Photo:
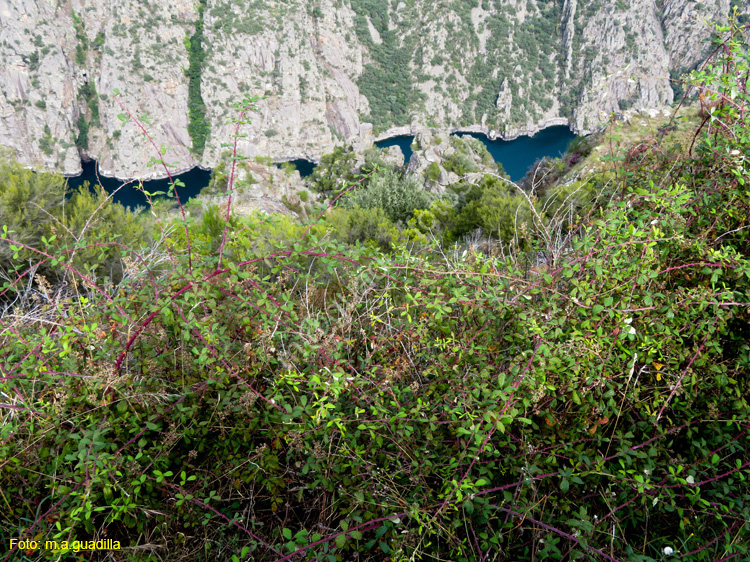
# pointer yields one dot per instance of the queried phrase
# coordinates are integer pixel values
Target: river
(195, 180)
(516, 156)
(519, 155)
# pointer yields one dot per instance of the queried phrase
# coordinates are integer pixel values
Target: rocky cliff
(327, 68)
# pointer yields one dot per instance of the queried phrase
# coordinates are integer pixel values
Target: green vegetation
(433, 172)
(82, 140)
(334, 171)
(198, 126)
(387, 82)
(83, 42)
(492, 206)
(32, 61)
(367, 227)
(399, 63)
(384, 191)
(255, 388)
(98, 42)
(460, 163)
(47, 143)
(37, 213)
(88, 93)
(231, 21)
(398, 196)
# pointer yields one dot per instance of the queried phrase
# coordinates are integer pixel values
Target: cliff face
(327, 69)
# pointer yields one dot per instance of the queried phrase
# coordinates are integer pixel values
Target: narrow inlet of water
(129, 196)
(303, 166)
(403, 142)
(519, 155)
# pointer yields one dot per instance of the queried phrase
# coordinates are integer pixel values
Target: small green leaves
(162, 476)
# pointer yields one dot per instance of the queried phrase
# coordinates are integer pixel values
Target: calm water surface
(195, 180)
(303, 166)
(516, 156)
(403, 142)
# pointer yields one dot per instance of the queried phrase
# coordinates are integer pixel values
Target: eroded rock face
(260, 186)
(504, 68)
(441, 159)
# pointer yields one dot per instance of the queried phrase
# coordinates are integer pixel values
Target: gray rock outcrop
(504, 69)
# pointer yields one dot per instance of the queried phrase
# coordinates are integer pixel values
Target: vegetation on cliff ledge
(198, 125)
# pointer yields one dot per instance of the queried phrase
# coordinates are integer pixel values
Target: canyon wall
(326, 69)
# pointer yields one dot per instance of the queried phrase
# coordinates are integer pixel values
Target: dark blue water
(517, 156)
(403, 142)
(304, 167)
(195, 180)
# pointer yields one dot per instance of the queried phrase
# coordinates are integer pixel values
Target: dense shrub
(27, 200)
(82, 139)
(369, 226)
(334, 171)
(96, 233)
(393, 192)
(40, 214)
(433, 172)
(460, 164)
(492, 205)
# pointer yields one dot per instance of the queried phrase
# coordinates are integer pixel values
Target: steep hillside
(505, 67)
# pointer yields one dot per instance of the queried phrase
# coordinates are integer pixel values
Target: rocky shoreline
(359, 143)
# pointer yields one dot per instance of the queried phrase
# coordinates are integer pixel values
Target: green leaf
(287, 533)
